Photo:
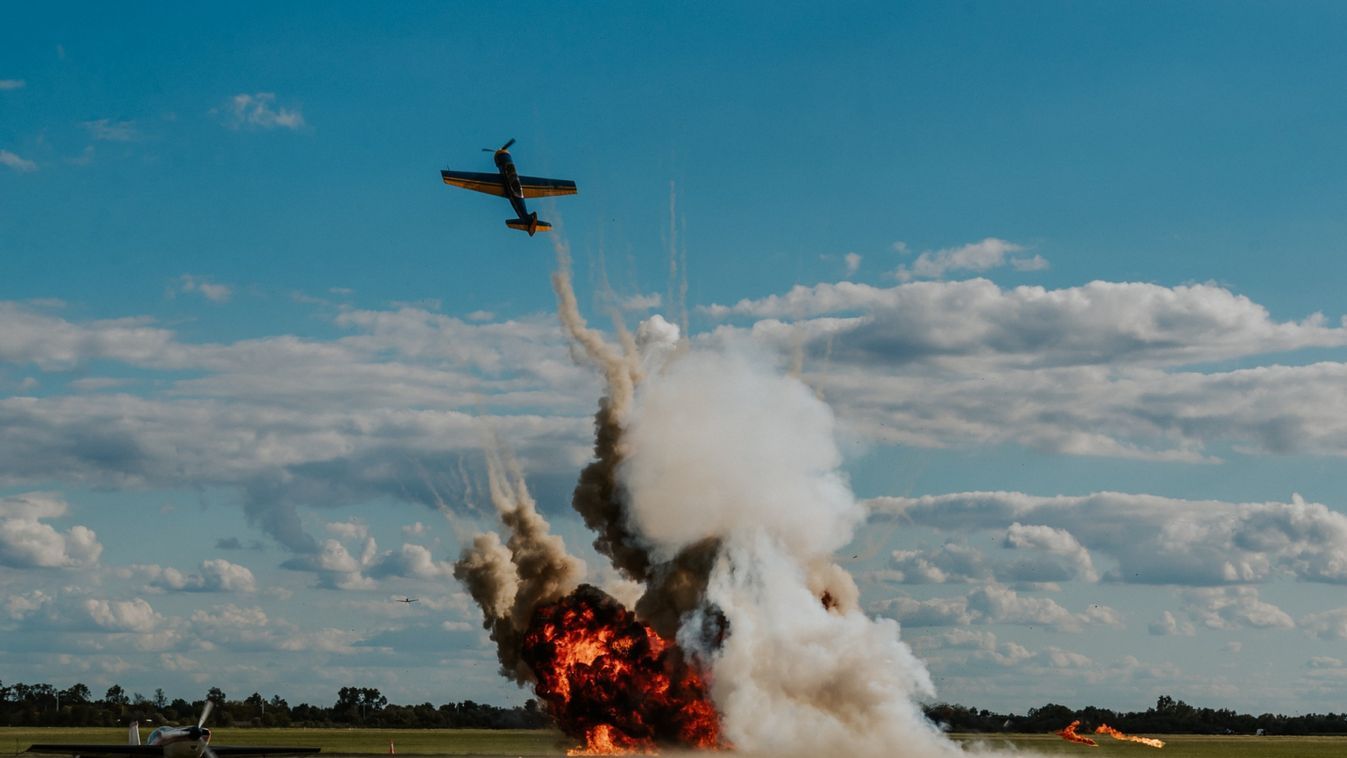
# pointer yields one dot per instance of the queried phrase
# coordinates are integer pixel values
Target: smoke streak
(673, 248)
(596, 497)
(620, 372)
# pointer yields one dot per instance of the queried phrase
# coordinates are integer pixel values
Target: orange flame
(611, 681)
(1069, 734)
(601, 740)
(1117, 735)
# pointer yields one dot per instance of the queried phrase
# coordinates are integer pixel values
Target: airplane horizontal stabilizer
(525, 225)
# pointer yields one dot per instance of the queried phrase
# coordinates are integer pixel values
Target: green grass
(1176, 746)
(522, 742)
(516, 742)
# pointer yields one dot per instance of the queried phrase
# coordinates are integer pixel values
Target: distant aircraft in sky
(169, 742)
(408, 600)
(507, 183)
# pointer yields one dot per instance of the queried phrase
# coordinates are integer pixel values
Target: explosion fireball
(607, 676)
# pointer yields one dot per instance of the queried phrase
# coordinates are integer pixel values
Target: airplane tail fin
(133, 733)
(531, 224)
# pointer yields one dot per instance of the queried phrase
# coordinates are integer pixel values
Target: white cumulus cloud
(216, 575)
(1156, 540)
(27, 541)
(123, 615)
(1234, 607)
(994, 603)
(258, 110)
(976, 256)
(14, 161)
(212, 291)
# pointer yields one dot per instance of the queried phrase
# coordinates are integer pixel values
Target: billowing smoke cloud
(723, 448)
(716, 484)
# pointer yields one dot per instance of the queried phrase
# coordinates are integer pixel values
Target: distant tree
(78, 694)
(309, 714)
(160, 700)
(178, 711)
(20, 692)
(115, 696)
(1048, 717)
(45, 694)
(216, 694)
(372, 698)
(277, 712)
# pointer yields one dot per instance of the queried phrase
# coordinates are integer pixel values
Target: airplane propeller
(506, 146)
(201, 732)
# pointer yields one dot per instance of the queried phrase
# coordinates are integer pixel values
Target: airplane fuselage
(510, 177)
(180, 742)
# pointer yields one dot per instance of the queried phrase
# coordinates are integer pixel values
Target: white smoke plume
(721, 445)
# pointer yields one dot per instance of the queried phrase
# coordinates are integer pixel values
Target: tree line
(1169, 716)
(44, 705)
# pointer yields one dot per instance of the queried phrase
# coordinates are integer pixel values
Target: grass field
(1176, 746)
(515, 742)
(521, 742)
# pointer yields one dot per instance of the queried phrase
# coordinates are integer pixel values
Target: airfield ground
(521, 742)
(1176, 746)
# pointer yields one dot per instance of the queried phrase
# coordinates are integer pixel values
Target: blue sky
(1092, 248)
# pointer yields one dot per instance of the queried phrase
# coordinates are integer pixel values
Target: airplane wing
(535, 186)
(475, 181)
(157, 751)
(105, 749)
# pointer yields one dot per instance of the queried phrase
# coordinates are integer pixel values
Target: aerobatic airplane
(169, 742)
(507, 183)
(407, 600)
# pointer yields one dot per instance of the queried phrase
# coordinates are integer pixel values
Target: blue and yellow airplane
(507, 183)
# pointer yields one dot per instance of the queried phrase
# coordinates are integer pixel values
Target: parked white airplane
(170, 742)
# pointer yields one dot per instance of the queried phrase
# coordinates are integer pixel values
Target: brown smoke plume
(488, 574)
(674, 587)
(509, 581)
